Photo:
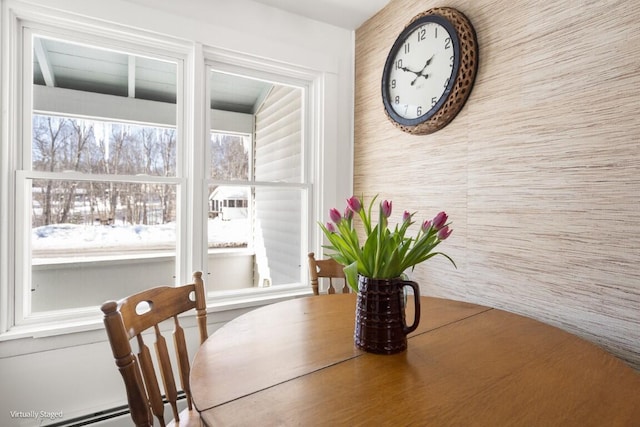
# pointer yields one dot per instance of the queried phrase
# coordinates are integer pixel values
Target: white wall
(75, 373)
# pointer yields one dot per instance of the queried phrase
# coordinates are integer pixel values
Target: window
(98, 180)
(256, 181)
(113, 190)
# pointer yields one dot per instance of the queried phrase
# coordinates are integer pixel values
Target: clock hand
(426, 76)
(421, 73)
(427, 63)
(411, 71)
(418, 73)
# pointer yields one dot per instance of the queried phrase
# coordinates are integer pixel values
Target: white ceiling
(348, 14)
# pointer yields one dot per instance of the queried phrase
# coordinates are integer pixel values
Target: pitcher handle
(416, 297)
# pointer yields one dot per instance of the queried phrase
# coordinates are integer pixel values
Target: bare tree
(95, 147)
(167, 142)
(48, 141)
(76, 143)
(229, 158)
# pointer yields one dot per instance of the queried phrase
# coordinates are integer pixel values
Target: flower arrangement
(385, 254)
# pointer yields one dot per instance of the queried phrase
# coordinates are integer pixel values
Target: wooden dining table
(294, 363)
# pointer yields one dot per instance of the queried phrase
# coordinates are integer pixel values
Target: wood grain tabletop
(294, 363)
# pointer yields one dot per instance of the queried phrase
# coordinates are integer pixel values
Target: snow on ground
(73, 236)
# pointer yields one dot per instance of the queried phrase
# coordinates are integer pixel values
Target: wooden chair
(126, 319)
(326, 268)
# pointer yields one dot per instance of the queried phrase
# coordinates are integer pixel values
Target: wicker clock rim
(464, 78)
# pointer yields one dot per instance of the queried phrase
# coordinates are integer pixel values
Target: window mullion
(192, 253)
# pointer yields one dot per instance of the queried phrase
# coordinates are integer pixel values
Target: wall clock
(430, 70)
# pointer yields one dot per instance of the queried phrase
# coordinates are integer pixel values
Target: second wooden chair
(326, 268)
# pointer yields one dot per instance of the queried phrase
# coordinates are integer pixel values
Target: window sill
(47, 335)
(252, 297)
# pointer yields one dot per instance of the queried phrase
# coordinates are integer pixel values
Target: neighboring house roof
(224, 192)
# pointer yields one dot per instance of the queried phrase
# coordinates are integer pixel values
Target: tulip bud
(348, 213)
(331, 227)
(439, 220)
(335, 215)
(386, 208)
(406, 216)
(354, 204)
(426, 225)
(444, 232)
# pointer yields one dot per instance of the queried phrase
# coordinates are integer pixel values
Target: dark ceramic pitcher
(381, 326)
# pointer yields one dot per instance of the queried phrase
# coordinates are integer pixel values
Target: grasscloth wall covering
(540, 171)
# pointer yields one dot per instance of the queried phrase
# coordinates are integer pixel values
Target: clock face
(420, 70)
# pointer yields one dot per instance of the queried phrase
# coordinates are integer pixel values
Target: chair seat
(188, 419)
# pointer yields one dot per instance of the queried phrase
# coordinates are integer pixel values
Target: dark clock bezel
(391, 59)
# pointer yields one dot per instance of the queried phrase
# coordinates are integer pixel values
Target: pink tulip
(386, 208)
(354, 204)
(439, 220)
(335, 215)
(348, 213)
(444, 232)
(389, 249)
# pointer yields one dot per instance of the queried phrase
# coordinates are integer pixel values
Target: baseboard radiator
(117, 416)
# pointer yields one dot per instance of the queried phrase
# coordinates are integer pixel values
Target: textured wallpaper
(539, 172)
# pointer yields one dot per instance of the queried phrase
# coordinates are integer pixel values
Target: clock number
(406, 48)
(433, 101)
(447, 43)
(399, 64)
(451, 63)
(393, 84)
(422, 34)
(419, 110)
(397, 99)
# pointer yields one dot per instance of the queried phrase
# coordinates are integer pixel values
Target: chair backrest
(326, 268)
(127, 319)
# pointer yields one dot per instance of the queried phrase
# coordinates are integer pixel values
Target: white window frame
(132, 45)
(192, 125)
(309, 83)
